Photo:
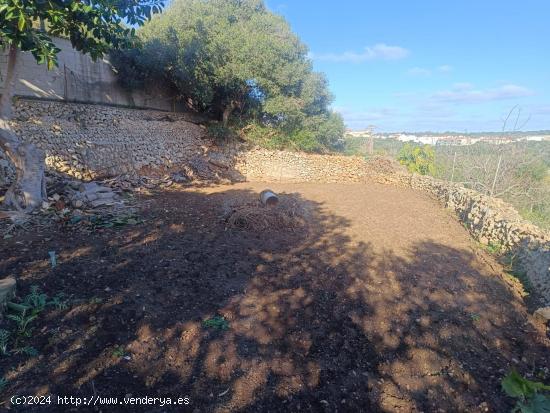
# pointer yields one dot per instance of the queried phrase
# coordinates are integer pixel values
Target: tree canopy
(235, 56)
(93, 26)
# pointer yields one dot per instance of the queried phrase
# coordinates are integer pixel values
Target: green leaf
(540, 403)
(516, 386)
(21, 22)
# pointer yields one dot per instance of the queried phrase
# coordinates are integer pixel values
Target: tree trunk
(226, 114)
(29, 188)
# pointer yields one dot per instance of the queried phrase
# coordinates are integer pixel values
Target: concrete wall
(78, 79)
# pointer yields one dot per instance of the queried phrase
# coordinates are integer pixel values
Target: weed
(530, 396)
(115, 221)
(3, 384)
(59, 302)
(493, 248)
(4, 337)
(36, 300)
(475, 317)
(217, 322)
(23, 314)
(28, 350)
(513, 268)
(23, 321)
(119, 351)
(96, 300)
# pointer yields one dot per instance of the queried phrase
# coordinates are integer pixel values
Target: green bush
(221, 134)
(419, 159)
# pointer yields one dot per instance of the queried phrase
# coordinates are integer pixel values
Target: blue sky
(430, 65)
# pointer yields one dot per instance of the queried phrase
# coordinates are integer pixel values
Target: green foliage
(475, 317)
(523, 176)
(93, 27)
(539, 214)
(217, 322)
(3, 384)
(4, 339)
(36, 300)
(493, 248)
(220, 133)
(22, 314)
(531, 396)
(235, 56)
(22, 321)
(119, 352)
(59, 302)
(357, 145)
(419, 159)
(27, 350)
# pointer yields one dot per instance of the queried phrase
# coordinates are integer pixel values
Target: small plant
(532, 397)
(475, 317)
(119, 351)
(4, 337)
(28, 350)
(217, 322)
(96, 300)
(221, 134)
(36, 300)
(494, 248)
(3, 384)
(23, 321)
(59, 302)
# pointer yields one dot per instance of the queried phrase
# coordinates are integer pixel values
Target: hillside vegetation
(518, 173)
(242, 65)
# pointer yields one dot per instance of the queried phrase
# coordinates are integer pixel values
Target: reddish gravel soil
(385, 304)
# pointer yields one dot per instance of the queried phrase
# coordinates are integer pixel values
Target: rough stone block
(7, 291)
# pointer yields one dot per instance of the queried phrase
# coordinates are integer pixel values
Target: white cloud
(465, 93)
(419, 71)
(379, 51)
(424, 72)
(463, 86)
(444, 68)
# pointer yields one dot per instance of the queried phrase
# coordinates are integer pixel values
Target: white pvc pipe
(269, 198)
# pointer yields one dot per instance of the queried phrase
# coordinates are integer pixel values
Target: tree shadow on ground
(317, 321)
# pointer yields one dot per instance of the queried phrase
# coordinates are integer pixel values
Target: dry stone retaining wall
(489, 220)
(268, 166)
(88, 141)
(91, 141)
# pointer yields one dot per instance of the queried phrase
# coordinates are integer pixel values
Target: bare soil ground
(385, 304)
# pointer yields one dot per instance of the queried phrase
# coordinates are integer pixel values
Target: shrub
(419, 159)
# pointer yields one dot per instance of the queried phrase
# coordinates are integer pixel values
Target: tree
(93, 27)
(231, 57)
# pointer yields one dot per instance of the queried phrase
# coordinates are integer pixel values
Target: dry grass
(290, 214)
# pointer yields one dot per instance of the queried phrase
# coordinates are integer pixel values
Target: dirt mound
(290, 214)
(386, 171)
(384, 165)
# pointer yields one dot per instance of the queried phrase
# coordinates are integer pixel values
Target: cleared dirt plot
(379, 301)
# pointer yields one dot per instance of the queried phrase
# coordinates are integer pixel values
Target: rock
(102, 202)
(7, 290)
(543, 314)
(93, 187)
